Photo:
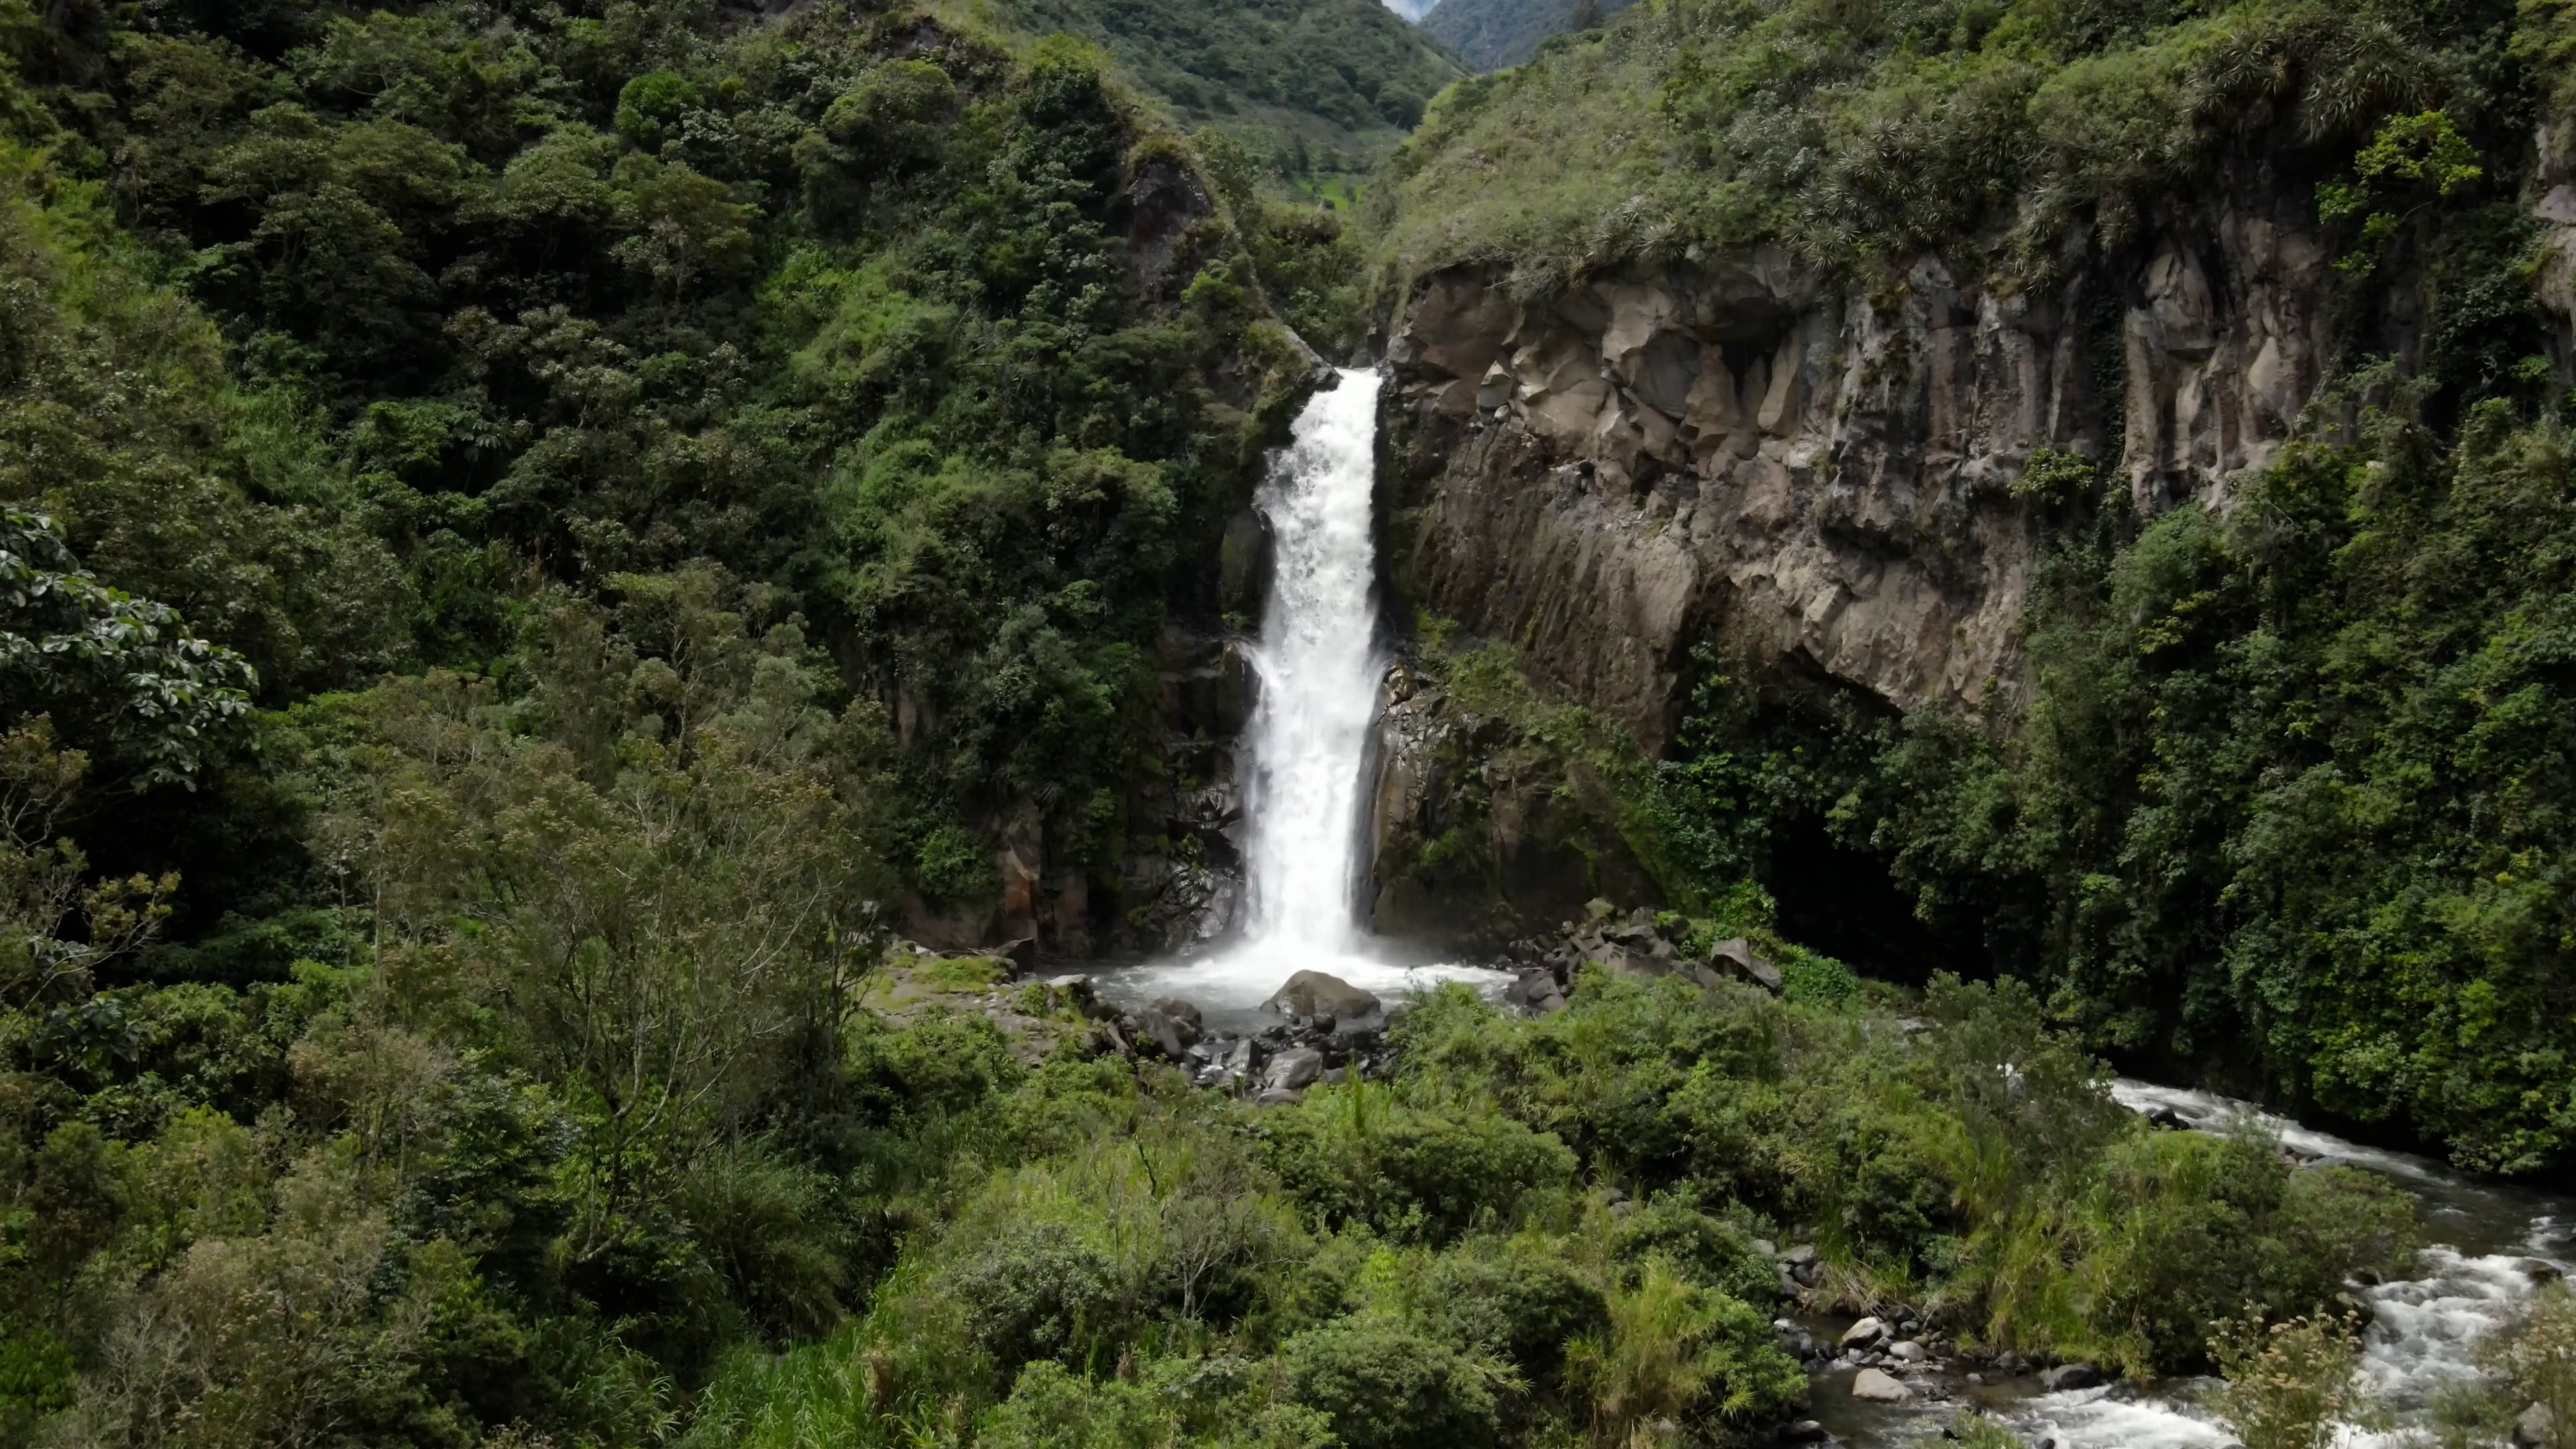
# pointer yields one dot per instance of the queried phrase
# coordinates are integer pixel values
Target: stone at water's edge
(1319, 993)
(1174, 1034)
(1878, 1387)
(2071, 1376)
(1295, 1069)
(1864, 1333)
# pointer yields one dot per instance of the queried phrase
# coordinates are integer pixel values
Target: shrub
(1709, 1253)
(1052, 1409)
(952, 865)
(650, 106)
(1383, 1385)
(2287, 1385)
(2535, 1356)
(1037, 1290)
(1361, 1154)
(1521, 1300)
(2180, 1228)
(1674, 1351)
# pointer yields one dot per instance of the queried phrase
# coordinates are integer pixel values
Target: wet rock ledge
(1328, 1030)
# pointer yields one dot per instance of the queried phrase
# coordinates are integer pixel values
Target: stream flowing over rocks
(2489, 1246)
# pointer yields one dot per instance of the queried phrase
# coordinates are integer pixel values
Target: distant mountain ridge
(1493, 34)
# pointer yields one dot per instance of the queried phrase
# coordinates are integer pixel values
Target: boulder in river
(1317, 993)
(2071, 1376)
(1877, 1386)
(1863, 1334)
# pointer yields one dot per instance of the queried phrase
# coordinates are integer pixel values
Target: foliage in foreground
(595, 1137)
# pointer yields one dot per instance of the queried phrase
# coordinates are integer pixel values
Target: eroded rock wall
(1822, 481)
(1824, 478)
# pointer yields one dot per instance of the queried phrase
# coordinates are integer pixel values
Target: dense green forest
(2285, 799)
(1308, 85)
(530, 525)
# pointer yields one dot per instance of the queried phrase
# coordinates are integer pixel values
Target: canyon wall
(1827, 483)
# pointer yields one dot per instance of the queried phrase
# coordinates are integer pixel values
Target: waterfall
(1319, 671)
(1305, 752)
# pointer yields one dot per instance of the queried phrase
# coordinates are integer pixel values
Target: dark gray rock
(1734, 957)
(1077, 992)
(1174, 1037)
(1295, 1069)
(1318, 993)
(2071, 1376)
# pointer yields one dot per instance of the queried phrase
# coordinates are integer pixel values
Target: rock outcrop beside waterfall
(1825, 477)
(1827, 482)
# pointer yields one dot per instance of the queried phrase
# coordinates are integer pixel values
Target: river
(2467, 1280)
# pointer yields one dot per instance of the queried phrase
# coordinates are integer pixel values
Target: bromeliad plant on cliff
(2280, 798)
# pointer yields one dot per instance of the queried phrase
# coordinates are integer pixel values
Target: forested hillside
(1493, 34)
(2272, 787)
(540, 538)
(1307, 85)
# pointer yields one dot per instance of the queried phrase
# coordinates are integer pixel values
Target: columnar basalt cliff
(1826, 477)
(1826, 482)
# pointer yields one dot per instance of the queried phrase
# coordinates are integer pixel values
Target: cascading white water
(1319, 672)
(1307, 745)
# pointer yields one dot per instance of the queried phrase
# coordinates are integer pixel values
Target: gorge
(1086, 724)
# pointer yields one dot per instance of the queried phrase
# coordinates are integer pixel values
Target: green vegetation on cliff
(2282, 798)
(1845, 130)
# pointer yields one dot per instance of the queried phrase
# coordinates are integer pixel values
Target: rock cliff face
(1820, 480)
(1479, 834)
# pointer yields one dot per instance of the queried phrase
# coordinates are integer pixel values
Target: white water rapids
(1307, 746)
(2423, 1333)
